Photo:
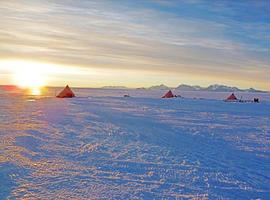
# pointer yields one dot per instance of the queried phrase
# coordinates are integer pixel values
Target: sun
(28, 75)
(33, 75)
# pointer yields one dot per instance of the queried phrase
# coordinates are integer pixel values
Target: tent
(169, 95)
(232, 97)
(66, 93)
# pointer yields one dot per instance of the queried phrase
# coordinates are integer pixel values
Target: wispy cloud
(123, 35)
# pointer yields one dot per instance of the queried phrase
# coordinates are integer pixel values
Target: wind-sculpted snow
(133, 148)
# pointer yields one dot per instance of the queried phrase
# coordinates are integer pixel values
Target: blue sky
(145, 42)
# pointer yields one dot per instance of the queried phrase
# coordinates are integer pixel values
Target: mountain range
(115, 87)
(212, 88)
(184, 87)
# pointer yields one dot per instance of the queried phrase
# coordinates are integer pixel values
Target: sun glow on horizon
(34, 76)
(28, 75)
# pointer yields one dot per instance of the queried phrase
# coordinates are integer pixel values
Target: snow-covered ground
(101, 145)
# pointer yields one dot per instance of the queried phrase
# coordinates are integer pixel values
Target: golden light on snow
(36, 91)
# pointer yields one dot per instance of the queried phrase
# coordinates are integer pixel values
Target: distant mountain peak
(185, 87)
(215, 88)
(222, 88)
(159, 87)
(114, 87)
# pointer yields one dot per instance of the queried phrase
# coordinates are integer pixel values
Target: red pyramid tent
(232, 97)
(66, 93)
(169, 95)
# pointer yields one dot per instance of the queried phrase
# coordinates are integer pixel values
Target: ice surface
(101, 145)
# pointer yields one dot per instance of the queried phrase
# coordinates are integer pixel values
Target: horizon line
(127, 87)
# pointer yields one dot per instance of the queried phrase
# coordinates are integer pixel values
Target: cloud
(107, 35)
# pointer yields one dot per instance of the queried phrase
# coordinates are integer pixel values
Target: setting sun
(34, 75)
(28, 75)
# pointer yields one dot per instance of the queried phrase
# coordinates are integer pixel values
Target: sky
(136, 43)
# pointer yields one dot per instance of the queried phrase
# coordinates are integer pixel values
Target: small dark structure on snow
(256, 100)
(169, 94)
(232, 98)
(66, 93)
